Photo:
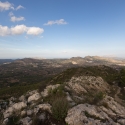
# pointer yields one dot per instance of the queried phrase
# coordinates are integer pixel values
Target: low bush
(13, 120)
(98, 97)
(59, 108)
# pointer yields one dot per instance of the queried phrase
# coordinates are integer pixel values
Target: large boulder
(14, 108)
(26, 121)
(86, 114)
(23, 113)
(114, 106)
(19, 105)
(29, 112)
(22, 98)
(34, 97)
(8, 112)
(84, 84)
(46, 107)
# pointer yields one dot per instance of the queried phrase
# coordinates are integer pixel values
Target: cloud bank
(20, 29)
(58, 22)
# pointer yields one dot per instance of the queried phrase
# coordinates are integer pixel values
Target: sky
(62, 28)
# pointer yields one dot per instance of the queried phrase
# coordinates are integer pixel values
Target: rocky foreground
(91, 100)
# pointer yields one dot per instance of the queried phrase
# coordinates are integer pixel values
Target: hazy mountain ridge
(95, 60)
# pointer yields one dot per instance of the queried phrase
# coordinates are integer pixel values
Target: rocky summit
(81, 99)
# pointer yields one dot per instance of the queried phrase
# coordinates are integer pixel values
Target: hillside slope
(29, 71)
(77, 96)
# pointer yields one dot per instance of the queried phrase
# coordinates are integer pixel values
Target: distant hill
(96, 60)
(29, 71)
(6, 61)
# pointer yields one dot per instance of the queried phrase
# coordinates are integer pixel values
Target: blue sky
(62, 28)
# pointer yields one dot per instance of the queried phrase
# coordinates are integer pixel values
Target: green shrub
(87, 114)
(98, 97)
(53, 94)
(16, 91)
(1, 115)
(13, 120)
(59, 108)
(58, 90)
(122, 78)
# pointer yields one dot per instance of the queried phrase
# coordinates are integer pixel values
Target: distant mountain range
(88, 60)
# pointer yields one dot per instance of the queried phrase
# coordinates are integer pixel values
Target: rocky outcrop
(84, 84)
(114, 106)
(26, 121)
(34, 105)
(22, 98)
(86, 114)
(46, 107)
(19, 105)
(29, 112)
(34, 97)
(14, 108)
(23, 113)
(26, 113)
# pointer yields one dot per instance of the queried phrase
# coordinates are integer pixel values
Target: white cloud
(34, 31)
(6, 6)
(16, 19)
(19, 7)
(4, 30)
(20, 29)
(58, 22)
